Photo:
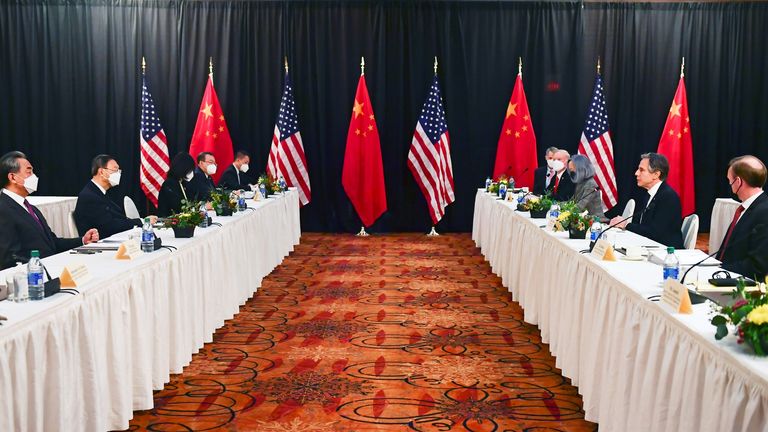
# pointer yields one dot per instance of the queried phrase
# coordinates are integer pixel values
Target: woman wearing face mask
(586, 193)
(174, 189)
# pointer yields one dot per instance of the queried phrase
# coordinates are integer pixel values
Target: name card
(128, 250)
(603, 250)
(74, 276)
(676, 298)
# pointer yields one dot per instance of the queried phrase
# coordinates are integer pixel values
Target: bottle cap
(34, 254)
(670, 250)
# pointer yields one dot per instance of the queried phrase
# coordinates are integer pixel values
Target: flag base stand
(362, 232)
(433, 233)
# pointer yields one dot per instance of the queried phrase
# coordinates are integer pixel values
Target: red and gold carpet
(385, 333)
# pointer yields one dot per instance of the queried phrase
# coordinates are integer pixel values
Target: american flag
(597, 146)
(286, 155)
(154, 147)
(429, 158)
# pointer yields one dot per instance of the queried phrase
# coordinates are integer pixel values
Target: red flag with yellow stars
(516, 152)
(363, 172)
(211, 132)
(676, 144)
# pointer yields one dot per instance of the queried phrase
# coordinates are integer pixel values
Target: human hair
(750, 169)
(241, 154)
(551, 149)
(99, 162)
(181, 165)
(9, 163)
(584, 169)
(657, 162)
(202, 155)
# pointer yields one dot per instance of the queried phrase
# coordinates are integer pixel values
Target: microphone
(682, 279)
(592, 244)
(734, 242)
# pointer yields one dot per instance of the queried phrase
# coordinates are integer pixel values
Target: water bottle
(35, 277)
(511, 182)
(671, 265)
(488, 182)
(594, 231)
(281, 183)
(502, 191)
(204, 214)
(263, 190)
(147, 237)
(552, 215)
(241, 204)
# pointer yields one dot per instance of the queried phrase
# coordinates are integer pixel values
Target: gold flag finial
(520, 66)
(435, 65)
(682, 68)
(143, 65)
(286, 63)
(598, 65)
(362, 65)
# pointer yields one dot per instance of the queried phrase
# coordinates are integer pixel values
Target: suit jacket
(200, 186)
(95, 210)
(564, 190)
(747, 249)
(170, 196)
(588, 197)
(229, 179)
(540, 180)
(662, 220)
(20, 234)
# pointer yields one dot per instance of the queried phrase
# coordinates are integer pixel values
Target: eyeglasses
(118, 170)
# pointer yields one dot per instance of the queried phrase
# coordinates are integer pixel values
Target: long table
(86, 362)
(637, 366)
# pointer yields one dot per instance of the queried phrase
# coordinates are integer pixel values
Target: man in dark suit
(561, 187)
(658, 214)
(543, 175)
(23, 227)
(745, 246)
(95, 209)
(202, 184)
(234, 177)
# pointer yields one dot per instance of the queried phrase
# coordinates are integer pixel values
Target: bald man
(745, 245)
(561, 187)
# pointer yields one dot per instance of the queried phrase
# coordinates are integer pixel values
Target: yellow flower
(564, 215)
(758, 315)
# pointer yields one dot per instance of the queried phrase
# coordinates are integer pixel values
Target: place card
(603, 250)
(74, 276)
(676, 298)
(128, 250)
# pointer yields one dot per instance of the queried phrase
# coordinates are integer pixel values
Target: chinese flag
(363, 173)
(516, 152)
(677, 146)
(211, 132)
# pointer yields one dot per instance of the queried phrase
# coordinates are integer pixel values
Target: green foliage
(189, 216)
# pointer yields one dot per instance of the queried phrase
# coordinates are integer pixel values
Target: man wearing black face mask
(745, 246)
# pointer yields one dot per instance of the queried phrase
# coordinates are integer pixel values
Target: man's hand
(92, 236)
(152, 219)
(622, 225)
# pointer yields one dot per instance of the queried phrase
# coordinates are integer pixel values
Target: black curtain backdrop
(70, 81)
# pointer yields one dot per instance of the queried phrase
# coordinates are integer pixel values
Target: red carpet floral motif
(386, 333)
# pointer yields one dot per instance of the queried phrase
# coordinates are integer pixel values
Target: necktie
(736, 215)
(32, 213)
(237, 171)
(557, 183)
(647, 203)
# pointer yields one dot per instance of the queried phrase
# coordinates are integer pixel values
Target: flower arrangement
(189, 216)
(572, 218)
(494, 188)
(533, 203)
(223, 203)
(270, 183)
(749, 314)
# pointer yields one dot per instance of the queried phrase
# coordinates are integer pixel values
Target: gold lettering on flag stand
(74, 276)
(675, 296)
(603, 251)
(128, 250)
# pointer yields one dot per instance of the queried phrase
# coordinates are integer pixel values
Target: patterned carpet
(385, 333)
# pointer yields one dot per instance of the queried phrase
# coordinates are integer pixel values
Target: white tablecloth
(86, 362)
(638, 367)
(56, 211)
(722, 215)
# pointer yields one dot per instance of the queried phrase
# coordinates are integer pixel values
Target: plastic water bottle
(511, 182)
(263, 190)
(204, 214)
(241, 204)
(488, 184)
(594, 231)
(502, 191)
(147, 237)
(552, 215)
(281, 183)
(35, 277)
(671, 265)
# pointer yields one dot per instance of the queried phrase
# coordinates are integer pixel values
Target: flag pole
(598, 65)
(520, 66)
(362, 232)
(433, 232)
(210, 68)
(682, 68)
(143, 66)
(286, 64)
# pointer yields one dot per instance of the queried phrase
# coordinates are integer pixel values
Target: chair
(629, 209)
(690, 231)
(131, 212)
(71, 226)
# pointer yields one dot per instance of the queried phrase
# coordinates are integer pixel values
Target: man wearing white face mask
(95, 209)
(23, 227)
(543, 175)
(561, 187)
(202, 184)
(234, 177)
